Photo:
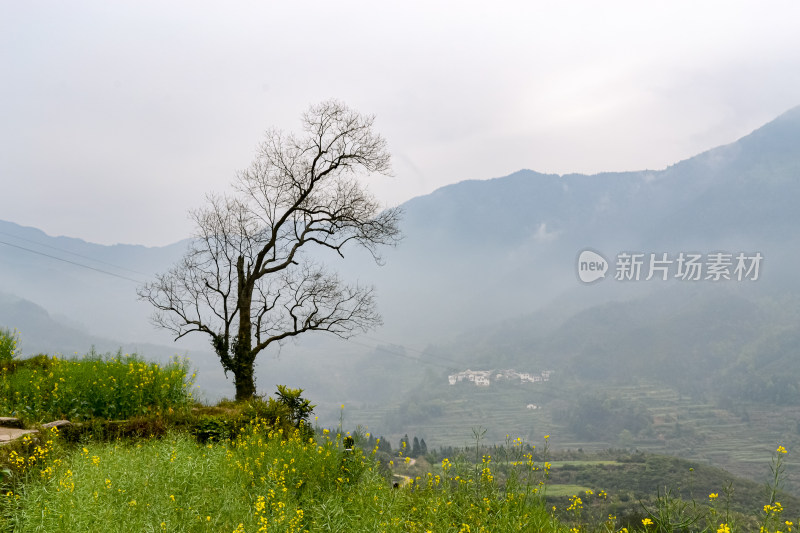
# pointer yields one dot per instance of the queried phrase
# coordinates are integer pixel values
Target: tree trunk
(244, 382)
(243, 354)
(243, 374)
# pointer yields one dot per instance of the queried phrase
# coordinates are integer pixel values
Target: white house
(482, 381)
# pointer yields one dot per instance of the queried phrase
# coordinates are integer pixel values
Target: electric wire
(37, 243)
(73, 262)
(421, 352)
(378, 349)
(398, 354)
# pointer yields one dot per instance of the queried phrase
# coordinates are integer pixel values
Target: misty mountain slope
(744, 178)
(488, 250)
(712, 373)
(748, 188)
(713, 344)
(476, 253)
(692, 340)
(684, 342)
(39, 332)
(626, 336)
(93, 285)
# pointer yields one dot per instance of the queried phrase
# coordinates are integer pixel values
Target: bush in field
(113, 387)
(289, 412)
(8, 345)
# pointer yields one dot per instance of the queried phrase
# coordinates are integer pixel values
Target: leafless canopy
(245, 280)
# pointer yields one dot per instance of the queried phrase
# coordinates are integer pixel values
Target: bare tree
(245, 281)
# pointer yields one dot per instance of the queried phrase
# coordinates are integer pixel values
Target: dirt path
(403, 479)
(9, 434)
(11, 428)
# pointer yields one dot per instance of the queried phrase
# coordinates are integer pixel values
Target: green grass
(260, 481)
(265, 479)
(111, 387)
(560, 464)
(565, 490)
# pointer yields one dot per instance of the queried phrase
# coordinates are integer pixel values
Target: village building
(481, 378)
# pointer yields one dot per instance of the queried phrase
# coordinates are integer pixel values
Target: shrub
(8, 344)
(289, 413)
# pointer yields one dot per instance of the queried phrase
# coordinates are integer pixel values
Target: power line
(398, 354)
(71, 253)
(421, 352)
(391, 352)
(138, 282)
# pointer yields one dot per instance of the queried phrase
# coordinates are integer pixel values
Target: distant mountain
(42, 333)
(501, 247)
(91, 284)
(475, 254)
(717, 342)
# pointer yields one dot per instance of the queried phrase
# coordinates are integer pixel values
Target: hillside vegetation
(263, 466)
(711, 376)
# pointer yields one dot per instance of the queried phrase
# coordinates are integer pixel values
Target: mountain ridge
(484, 251)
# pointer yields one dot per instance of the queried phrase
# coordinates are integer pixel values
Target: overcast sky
(116, 118)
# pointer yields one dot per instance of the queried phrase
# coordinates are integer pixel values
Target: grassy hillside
(259, 466)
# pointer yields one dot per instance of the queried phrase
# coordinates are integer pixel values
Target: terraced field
(740, 439)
